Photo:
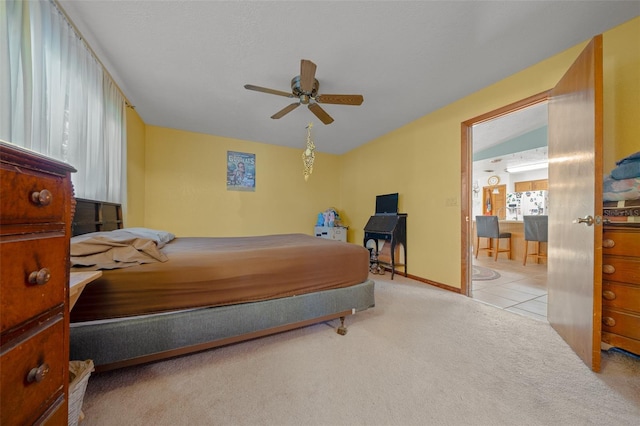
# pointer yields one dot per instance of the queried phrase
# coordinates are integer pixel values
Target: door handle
(587, 219)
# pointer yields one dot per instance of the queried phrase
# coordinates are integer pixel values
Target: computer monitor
(387, 204)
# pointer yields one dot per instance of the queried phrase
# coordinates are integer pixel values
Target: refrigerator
(534, 203)
(514, 211)
(529, 203)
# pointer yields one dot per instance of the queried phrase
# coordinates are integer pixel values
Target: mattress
(208, 272)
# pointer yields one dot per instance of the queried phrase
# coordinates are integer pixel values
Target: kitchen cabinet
(532, 185)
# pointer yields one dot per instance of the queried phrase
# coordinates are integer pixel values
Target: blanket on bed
(218, 271)
(121, 248)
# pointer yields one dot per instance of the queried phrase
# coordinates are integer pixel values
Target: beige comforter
(121, 248)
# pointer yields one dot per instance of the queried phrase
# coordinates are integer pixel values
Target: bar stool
(536, 229)
(488, 227)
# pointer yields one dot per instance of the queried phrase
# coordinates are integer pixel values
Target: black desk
(391, 228)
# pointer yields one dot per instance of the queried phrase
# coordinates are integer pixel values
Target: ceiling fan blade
(270, 91)
(307, 75)
(320, 113)
(285, 110)
(340, 99)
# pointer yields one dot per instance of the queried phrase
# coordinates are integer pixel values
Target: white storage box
(331, 232)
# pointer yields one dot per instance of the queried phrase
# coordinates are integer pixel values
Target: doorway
(471, 192)
(510, 156)
(575, 134)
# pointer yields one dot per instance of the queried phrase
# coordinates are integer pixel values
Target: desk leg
(404, 246)
(393, 260)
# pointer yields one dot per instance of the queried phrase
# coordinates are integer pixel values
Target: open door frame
(467, 175)
(575, 152)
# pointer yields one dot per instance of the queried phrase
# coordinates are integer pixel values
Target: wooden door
(575, 184)
(494, 201)
(499, 199)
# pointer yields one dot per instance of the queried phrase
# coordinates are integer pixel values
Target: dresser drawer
(631, 345)
(621, 242)
(23, 397)
(621, 323)
(56, 415)
(621, 269)
(620, 295)
(22, 259)
(30, 197)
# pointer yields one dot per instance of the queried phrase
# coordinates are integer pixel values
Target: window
(58, 100)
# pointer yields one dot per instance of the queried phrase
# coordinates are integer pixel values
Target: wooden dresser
(621, 287)
(36, 206)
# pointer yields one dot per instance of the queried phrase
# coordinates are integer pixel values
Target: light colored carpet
(480, 273)
(422, 356)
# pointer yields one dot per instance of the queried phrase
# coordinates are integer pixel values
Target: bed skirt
(121, 343)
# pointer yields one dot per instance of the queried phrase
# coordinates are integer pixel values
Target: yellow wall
(184, 186)
(621, 59)
(422, 160)
(135, 205)
(186, 192)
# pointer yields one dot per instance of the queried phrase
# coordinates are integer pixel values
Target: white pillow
(160, 237)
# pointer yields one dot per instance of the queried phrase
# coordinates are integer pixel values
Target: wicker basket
(79, 372)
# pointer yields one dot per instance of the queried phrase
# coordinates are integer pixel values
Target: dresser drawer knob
(608, 269)
(37, 374)
(40, 277)
(42, 198)
(608, 321)
(609, 295)
(608, 243)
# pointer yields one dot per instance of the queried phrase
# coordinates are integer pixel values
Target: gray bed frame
(137, 340)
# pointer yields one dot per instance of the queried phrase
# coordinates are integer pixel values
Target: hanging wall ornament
(308, 155)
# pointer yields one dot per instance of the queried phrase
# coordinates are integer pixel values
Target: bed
(182, 295)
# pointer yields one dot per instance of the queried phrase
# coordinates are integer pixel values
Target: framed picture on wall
(241, 171)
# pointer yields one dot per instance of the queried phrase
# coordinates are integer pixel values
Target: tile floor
(520, 289)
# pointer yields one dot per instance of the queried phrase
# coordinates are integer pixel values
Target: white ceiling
(183, 63)
(503, 129)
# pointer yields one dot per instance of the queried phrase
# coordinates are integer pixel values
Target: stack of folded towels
(621, 191)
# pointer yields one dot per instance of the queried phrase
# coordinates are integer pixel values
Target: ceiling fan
(305, 87)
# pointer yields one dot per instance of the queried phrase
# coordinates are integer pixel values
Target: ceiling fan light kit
(305, 87)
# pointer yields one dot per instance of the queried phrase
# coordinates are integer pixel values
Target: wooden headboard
(94, 216)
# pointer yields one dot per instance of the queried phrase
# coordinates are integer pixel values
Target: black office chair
(536, 229)
(488, 227)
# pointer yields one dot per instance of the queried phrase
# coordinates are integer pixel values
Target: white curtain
(56, 98)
